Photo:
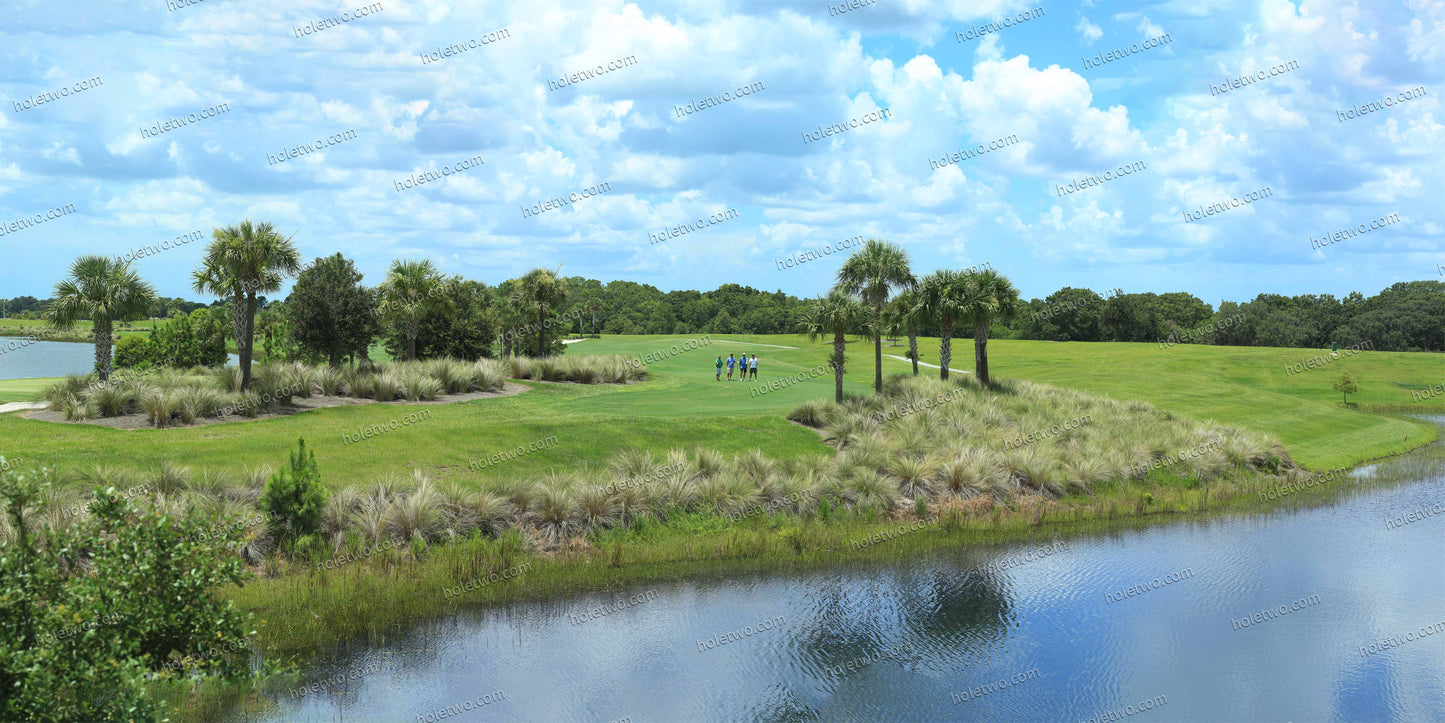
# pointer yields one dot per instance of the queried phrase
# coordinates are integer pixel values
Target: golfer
(731, 362)
(754, 363)
(719, 367)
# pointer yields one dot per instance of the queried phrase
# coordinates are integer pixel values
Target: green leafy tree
(241, 262)
(988, 297)
(942, 296)
(723, 323)
(294, 498)
(1346, 385)
(464, 327)
(412, 289)
(539, 294)
(332, 315)
(837, 315)
(1068, 314)
(872, 274)
(183, 342)
(104, 291)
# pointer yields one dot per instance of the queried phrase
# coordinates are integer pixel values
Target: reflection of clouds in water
(966, 621)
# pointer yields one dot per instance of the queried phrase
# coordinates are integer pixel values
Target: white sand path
(751, 343)
(22, 406)
(926, 364)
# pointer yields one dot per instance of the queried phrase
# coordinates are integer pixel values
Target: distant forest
(1408, 316)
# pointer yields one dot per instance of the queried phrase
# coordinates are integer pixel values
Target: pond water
(24, 358)
(1085, 633)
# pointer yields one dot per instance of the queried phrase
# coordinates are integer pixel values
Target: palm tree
(941, 295)
(905, 315)
(837, 314)
(103, 290)
(241, 262)
(989, 297)
(873, 273)
(540, 292)
(412, 289)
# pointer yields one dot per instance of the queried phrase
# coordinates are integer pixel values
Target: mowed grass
(1244, 386)
(82, 328)
(684, 384)
(681, 405)
(23, 390)
(673, 408)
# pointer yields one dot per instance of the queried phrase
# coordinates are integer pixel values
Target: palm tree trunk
(102, 348)
(913, 348)
(839, 346)
(945, 346)
(411, 347)
(541, 332)
(980, 352)
(249, 343)
(238, 322)
(878, 349)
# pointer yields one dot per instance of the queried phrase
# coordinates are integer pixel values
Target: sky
(286, 78)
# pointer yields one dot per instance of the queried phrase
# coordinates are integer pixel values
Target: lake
(23, 358)
(1176, 622)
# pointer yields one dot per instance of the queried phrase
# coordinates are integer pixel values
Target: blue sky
(1029, 80)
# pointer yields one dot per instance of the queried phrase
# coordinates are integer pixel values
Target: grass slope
(1245, 386)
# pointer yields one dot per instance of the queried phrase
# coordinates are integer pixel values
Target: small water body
(24, 358)
(1085, 634)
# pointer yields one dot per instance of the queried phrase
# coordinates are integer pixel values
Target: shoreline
(687, 550)
(303, 616)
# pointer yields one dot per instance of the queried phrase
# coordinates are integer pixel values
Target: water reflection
(950, 623)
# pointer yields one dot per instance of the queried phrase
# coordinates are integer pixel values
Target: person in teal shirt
(719, 367)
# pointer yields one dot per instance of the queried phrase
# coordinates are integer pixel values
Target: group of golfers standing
(743, 366)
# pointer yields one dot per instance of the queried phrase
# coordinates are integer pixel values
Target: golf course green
(682, 405)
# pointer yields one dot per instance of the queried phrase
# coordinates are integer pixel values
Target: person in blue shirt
(731, 363)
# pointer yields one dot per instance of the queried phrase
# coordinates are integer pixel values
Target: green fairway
(1244, 386)
(684, 385)
(682, 405)
(22, 390)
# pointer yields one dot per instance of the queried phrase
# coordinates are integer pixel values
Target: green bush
(78, 644)
(134, 351)
(294, 498)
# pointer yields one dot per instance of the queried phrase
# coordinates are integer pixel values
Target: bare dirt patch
(139, 420)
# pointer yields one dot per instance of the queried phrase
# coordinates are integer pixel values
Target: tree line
(417, 312)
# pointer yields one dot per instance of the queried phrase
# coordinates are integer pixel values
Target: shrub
(134, 351)
(294, 499)
(75, 645)
(488, 375)
(386, 386)
(70, 388)
(815, 413)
